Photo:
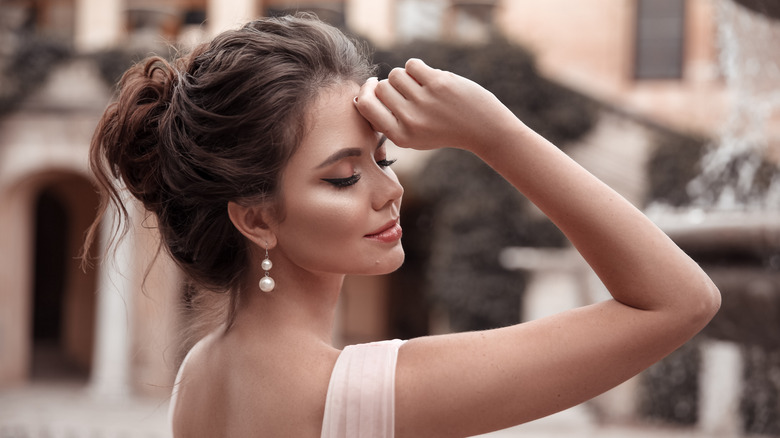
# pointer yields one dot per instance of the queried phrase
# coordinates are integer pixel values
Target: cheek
(338, 214)
(321, 225)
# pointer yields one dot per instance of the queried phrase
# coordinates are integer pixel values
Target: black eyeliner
(343, 182)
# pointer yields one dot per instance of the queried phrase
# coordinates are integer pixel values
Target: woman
(262, 156)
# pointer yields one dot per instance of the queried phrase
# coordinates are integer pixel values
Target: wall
(591, 48)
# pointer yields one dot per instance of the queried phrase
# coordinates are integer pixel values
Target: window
(660, 38)
(472, 21)
(420, 19)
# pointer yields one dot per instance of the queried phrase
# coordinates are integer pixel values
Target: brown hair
(218, 125)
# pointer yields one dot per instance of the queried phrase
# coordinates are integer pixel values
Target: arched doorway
(63, 296)
(50, 270)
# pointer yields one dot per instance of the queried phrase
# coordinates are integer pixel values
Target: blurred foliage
(113, 63)
(671, 388)
(674, 163)
(25, 63)
(760, 407)
(677, 160)
(27, 57)
(471, 214)
(747, 177)
(467, 213)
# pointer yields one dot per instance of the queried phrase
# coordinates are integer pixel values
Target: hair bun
(130, 128)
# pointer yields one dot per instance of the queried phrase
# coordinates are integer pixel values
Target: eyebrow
(340, 155)
(348, 152)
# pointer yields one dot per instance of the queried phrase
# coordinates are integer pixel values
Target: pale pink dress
(361, 393)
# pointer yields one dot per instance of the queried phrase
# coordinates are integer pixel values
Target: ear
(253, 222)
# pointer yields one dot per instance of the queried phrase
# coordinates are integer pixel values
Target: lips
(390, 232)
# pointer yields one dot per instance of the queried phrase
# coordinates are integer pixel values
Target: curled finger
(405, 84)
(419, 70)
(373, 109)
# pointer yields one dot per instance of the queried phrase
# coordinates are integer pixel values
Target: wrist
(504, 132)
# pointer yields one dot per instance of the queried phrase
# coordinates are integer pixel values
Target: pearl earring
(267, 283)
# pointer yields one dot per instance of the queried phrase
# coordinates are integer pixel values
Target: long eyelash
(386, 162)
(343, 182)
(346, 182)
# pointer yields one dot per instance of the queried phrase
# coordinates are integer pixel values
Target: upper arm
(469, 383)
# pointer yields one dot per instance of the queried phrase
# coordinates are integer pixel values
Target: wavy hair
(218, 125)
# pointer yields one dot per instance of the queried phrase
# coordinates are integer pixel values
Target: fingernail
(373, 78)
(354, 99)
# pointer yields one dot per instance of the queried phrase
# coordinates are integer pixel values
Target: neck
(302, 305)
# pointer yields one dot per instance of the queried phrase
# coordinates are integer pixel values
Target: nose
(388, 190)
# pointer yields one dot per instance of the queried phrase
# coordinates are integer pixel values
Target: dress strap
(361, 393)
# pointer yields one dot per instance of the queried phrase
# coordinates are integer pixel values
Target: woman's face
(341, 200)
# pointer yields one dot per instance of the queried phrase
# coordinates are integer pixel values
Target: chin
(389, 264)
(396, 267)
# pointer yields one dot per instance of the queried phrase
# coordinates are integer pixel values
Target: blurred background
(674, 103)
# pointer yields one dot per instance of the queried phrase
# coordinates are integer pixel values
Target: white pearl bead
(266, 265)
(267, 284)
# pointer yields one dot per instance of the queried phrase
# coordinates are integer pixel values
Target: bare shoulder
(232, 386)
(196, 392)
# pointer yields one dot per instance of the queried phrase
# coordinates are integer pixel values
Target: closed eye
(385, 163)
(343, 182)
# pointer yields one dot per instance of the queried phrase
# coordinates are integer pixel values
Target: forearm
(637, 262)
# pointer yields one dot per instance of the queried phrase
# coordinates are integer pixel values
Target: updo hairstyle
(218, 125)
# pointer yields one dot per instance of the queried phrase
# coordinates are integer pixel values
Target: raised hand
(421, 107)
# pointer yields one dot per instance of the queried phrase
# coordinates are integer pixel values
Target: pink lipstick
(390, 232)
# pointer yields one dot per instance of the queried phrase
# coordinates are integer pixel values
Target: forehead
(333, 122)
